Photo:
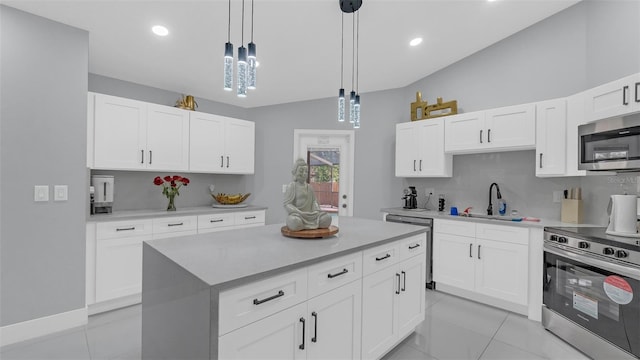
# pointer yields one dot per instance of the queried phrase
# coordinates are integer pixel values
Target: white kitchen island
(253, 293)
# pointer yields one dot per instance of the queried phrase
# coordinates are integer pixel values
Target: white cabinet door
(334, 325)
(412, 294)
(502, 270)
(406, 150)
(432, 160)
(119, 267)
(279, 336)
(380, 292)
(167, 138)
(512, 127)
(206, 143)
(239, 146)
(453, 260)
(120, 130)
(616, 98)
(551, 138)
(464, 132)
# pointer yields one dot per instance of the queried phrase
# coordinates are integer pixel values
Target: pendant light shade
(356, 113)
(341, 104)
(242, 71)
(252, 63)
(228, 66)
(352, 108)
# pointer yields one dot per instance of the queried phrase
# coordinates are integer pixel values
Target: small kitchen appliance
(103, 194)
(591, 290)
(410, 198)
(623, 216)
(610, 144)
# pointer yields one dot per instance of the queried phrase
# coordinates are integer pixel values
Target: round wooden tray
(310, 234)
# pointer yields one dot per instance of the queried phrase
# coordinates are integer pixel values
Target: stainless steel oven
(591, 291)
(428, 223)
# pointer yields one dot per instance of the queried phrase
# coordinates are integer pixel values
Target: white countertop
(142, 214)
(422, 213)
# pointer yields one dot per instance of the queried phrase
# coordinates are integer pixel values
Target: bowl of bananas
(230, 199)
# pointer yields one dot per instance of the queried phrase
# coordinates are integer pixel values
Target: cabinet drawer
(174, 224)
(249, 217)
(123, 229)
(251, 302)
(413, 246)
(380, 257)
(454, 227)
(512, 234)
(214, 221)
(334, 273)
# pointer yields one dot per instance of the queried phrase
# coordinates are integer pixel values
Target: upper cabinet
(420, 149)
(551, 130)
(125, 134)
(502, 129)
(221, 145)
(620, 97)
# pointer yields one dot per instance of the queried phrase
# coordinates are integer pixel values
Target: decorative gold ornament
(422, 110)
(186, 102)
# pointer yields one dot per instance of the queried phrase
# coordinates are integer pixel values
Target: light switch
(60, 192)
(41, 193)
(284, 188)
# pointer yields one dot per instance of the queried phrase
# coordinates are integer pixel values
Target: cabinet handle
(470, 246)
(315, 327)
(126, 229)
(227, 162)
(398, 291)
(540, 160)
(489, 135)
(384, 257)
(624, 95)
(142, 161)
(480, 136)
(249, 217)
(331, 276)
(479, 251)
(176, 224)
(150, 157)
(221, 161)
(404, 281)
(411, 247)
(301, 346)
(104, 190)
(258, 302)
(216, 220)
(414, 165)
(637, 91)
(420, 165)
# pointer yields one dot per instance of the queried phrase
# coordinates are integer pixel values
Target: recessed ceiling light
(415, 42)
(160, 30)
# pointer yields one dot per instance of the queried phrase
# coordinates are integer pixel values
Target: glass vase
(171, 206)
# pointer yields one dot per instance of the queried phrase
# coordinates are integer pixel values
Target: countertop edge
(150, 214)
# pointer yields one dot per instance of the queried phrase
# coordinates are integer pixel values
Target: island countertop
(234, 257)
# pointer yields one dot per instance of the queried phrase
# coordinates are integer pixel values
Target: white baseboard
(30, 329)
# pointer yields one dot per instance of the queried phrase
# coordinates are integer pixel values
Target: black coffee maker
(410, 198)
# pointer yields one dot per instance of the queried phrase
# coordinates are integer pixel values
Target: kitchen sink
(494, 217)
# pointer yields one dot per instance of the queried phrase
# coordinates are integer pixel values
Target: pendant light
(356, 112)
(253, 62)
(242, 63)
(352, 95)
(341, 101)
(228, 57)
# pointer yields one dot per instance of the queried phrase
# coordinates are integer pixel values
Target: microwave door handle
(580, 256)
(624, 95)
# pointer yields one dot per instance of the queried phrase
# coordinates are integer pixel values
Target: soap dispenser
(502, 207)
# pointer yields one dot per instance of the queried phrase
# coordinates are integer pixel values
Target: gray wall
(42, 142)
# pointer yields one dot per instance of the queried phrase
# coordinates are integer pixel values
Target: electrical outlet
(557, 196)
(428, 191)
(284, 188)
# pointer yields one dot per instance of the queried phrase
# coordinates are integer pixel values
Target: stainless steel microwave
(610, 144)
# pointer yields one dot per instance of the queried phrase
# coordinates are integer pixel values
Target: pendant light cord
(358, 54)
(242, 36)
(229, 22)
(341, 55)
(353, 50)
(251, 20)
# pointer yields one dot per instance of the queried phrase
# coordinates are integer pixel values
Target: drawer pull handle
(624, 95)
(249, 217)
(404, 281)
(411, 247)
(398, 291)
(258, 302)
(479, 252)
(470, 246)
(384, 257)
(331, 276)
(216, 220)
(142, 160)
(176, 224)
(126, 229)
(301, 346)
(315, 327)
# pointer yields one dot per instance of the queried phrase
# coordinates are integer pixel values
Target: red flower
(177, 178)
(168, 178)
(158, 181)
(185, 181)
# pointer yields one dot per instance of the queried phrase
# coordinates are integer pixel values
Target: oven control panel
(594, 247)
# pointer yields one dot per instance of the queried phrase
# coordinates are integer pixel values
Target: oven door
(599, 295)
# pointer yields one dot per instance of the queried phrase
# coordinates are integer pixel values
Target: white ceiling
(298, 41)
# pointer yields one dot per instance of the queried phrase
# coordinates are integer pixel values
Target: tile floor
(454, 329)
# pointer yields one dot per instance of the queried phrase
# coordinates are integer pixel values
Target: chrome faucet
(490, 208)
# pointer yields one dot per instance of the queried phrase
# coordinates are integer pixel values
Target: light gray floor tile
(444, 340)
(114, 315)
(68, 345)
(470, 315)
(433, 297)
(115, 338)
(405, 351)
(501, 351)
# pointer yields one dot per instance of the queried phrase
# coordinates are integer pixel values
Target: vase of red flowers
(171, 188)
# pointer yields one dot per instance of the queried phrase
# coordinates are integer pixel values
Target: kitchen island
(255, 293)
